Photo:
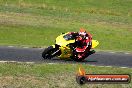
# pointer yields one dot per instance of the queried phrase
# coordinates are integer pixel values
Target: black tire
(78, 60)
(47, 52)
(75, 57)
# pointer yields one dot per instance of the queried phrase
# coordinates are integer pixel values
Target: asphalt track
(34, 55)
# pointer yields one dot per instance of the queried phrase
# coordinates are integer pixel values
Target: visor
(82, 33)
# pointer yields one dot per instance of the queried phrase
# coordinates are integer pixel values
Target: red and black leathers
(83, 44)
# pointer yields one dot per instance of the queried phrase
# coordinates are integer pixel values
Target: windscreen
(68, 37)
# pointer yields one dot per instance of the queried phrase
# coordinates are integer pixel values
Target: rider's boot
(92, 52)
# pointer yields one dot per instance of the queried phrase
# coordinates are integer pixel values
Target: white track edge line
(108, 66)
(49, 63)
(127, 53)
(10, 46)
(25, 47)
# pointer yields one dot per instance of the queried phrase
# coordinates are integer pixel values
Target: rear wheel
(75, 57)
(47, 53)
(78, 59)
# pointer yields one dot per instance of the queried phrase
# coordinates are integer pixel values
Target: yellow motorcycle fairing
(62, 42)
(65, 52)
(65, 49)
(94, 43)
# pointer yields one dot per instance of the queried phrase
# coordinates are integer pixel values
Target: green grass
(53, 75)
(37, 23)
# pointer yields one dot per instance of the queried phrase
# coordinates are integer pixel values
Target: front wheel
(48, 52)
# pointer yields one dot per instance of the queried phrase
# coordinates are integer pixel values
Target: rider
(84, 43)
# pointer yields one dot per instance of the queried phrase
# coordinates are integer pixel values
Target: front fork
(58, 51)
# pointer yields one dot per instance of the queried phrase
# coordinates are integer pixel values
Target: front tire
(47, 53)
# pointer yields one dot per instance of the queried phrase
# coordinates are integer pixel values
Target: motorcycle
(64, 48)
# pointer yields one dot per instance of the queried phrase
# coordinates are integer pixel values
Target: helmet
(82, 33)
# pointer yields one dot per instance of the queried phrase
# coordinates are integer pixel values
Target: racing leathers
(82, 50)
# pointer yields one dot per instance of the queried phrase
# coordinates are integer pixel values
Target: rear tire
(78, 60)
(75, 57)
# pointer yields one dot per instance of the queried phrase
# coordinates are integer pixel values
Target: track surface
(34, 55)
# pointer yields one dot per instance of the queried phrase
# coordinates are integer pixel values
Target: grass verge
(53, 75)
(37, 23)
